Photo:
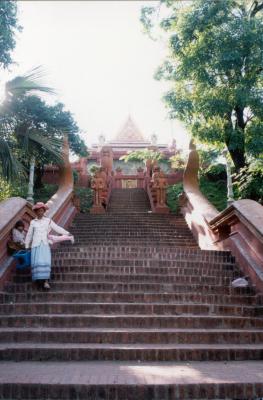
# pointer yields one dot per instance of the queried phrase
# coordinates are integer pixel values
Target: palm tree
(26, 139)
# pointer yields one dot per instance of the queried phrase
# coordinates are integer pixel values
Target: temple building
(128, 139)
(107, 153)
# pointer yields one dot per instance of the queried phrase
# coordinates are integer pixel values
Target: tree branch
(256, 7)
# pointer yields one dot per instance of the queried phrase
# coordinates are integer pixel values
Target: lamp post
(30, 193)
(230, 194)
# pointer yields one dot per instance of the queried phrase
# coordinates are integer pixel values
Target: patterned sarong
(41, 262)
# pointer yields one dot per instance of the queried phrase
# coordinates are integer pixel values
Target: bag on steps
(23, 258)
(239, 282)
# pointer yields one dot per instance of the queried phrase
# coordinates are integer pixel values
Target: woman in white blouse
(37, 239)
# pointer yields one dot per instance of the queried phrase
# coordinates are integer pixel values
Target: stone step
(151, 216)
(141, 217)
(73, 270)
(128, 308)
(124, 242)
(141, 222)
(147, 230)
(129, 297)
(90, 261)
(135, 239)
(140, 266)
(130, 321)
(90, 242)
(128, 278)
(135, 286)
(135, 208)
(129, 352)
(143, 260)
(129, 381)
(115, 228)
(132, 336)
(139, 286)
(100, 233)
(166, 253)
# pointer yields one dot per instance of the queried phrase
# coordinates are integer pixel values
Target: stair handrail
(238, 228)
(61, 209)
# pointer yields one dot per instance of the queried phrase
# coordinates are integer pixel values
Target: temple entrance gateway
(129, 183)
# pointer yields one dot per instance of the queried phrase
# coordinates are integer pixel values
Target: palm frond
(50, 145)
(10, 167)
(28, 83)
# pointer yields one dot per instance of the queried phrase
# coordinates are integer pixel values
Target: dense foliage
(215, 67)
(178, 161)
(33, 128)
(215, 191)
(249, 182)
(143, 155)
(173, 192)
(20, 189)
(8, 28)
(85, 196)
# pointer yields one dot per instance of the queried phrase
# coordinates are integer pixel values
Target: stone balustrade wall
(239, 228)
(61, 209)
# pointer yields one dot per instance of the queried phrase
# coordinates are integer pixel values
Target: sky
(100, 63)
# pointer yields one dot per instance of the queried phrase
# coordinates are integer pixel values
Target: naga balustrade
(62, 209)
(239, 228)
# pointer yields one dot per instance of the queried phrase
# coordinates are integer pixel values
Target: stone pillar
(106, 159)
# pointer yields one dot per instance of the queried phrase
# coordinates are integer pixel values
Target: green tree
(11, 141)
(143, 155)
(178, 161)
(26, 117)
(8, 28)
(215, 67)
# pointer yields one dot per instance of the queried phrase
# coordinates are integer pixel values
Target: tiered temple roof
(128, 138)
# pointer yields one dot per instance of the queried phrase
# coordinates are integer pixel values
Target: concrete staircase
(136, 311)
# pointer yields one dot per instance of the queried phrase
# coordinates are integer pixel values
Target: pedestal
(161, 209)
(97, 210)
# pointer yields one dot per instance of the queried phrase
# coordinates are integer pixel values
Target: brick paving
(131, 373)
(155, 381)
(136, 311)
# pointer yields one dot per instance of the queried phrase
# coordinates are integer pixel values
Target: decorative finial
(102, 139)
(154, 139)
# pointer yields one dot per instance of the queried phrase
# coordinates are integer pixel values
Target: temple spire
(129, 132)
